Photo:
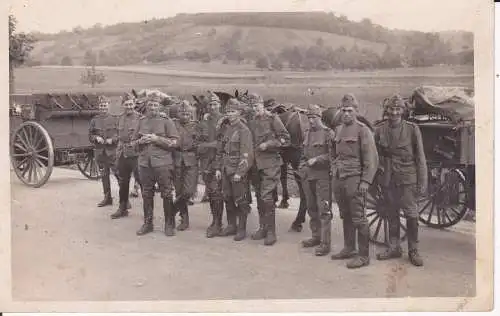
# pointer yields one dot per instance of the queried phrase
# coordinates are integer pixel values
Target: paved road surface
(65, 248)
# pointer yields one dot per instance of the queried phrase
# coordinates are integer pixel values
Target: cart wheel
(446, 201)
(376, 213)
(32, 154)
(89, 167)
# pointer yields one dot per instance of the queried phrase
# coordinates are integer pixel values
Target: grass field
(185, 79)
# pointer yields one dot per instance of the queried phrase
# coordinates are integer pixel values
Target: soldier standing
(269, 136)
(234, 160)
(314, 171)
(207, 151)
(354, 165)
(155, 139)
(126, 154)
(186, 163)
(403, 176)
(103, 134)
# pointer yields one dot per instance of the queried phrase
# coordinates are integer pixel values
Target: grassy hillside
(187, 37)
(248, 35)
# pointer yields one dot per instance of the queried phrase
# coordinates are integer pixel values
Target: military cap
(395, 100)
(154, 98)
(213, 98)
(254, 98)
(126, 97)
(103, 100)
(184, 107)
(314, 110)
(349, 100)
(234, 105)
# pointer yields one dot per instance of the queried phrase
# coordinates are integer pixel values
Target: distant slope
(213, 33)
(194, 37)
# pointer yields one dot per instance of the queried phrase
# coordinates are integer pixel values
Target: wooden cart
(445, 117)
(51, 130)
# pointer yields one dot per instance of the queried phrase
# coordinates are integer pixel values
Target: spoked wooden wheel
(32, 154)
(446, 201)
(377, 215)
(89, 167)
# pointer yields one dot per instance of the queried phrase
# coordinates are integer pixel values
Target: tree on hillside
(66, 61)
(262, 63)
(92, 77)
(89, 58)
(20, 46)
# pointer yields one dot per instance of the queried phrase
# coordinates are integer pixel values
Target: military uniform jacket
(354, 152)
(268, 129)
(402, 157)
(127, 127)
(235, 154)
(105, 126)
(317, 142)
(160, 153)
(207, 140)
(185, 153)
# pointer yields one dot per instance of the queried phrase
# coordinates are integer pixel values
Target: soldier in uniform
(207, 151)
(314, 171)
(355, 162)
(269, 136)
(234, 160)
(103, 134)
(155, 138)
(126, 154)
(186, 162)
(403, 176)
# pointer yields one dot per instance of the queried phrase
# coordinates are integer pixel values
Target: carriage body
(51, 130)
(445, 117)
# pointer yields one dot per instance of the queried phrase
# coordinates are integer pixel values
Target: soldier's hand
(363, 187)
(311, 162)
(237, 178)
(421, 189)
(99, 139)
(109, 141)
(218, 175)
(263, 146)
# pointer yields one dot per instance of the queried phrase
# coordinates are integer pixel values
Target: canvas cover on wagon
(454, 103)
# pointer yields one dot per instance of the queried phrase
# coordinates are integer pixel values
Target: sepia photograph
(224, 156)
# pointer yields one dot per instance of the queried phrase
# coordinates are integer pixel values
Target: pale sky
(422, 15)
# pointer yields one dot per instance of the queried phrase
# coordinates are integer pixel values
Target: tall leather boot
(412, 229)
(394, 249)
(106, 201)
(147, 227)
(215, 227)
(231, 220)
(363, 258)
(241, 233)
(210, 228)
(183, 209)
(326, 235)
(261, 232)
(169, 212)
(122, 211)
(270, 225)
(301, 214)
(106, 188)
(315, 240)
(349, 250)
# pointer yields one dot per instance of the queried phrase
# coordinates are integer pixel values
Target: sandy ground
(66, 248)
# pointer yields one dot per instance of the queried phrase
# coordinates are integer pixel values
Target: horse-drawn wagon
(51, 130)
(445, 117)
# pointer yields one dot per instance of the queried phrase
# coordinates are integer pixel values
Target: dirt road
(66, 248)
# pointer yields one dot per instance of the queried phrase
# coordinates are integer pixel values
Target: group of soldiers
(235, 151)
